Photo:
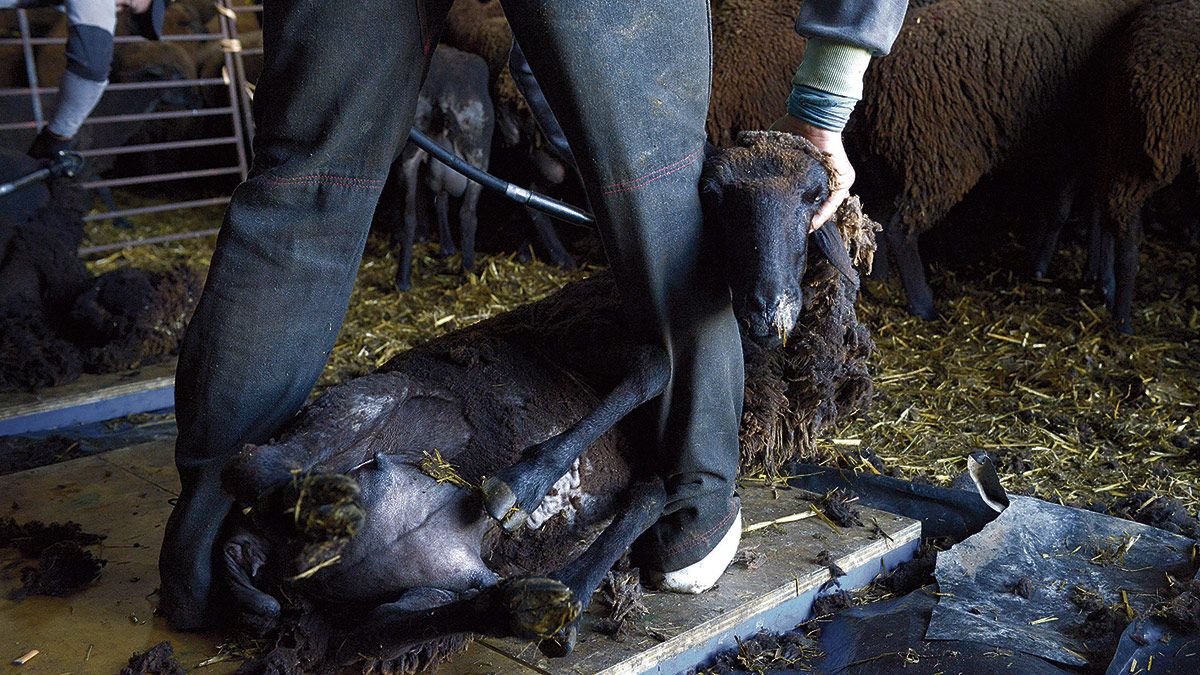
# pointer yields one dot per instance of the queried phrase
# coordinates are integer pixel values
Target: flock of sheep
(1096, 103)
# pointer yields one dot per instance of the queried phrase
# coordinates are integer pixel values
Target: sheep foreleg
(515, 492)
(1052, 223)
(907, 257)
(585, 574)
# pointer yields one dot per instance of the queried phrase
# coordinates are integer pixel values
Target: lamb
(1150, 129)
(481, 28)
(454, 109)
(542, 391)
(969, 84)
(56, 320)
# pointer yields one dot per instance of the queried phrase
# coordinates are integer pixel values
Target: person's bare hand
(829, 142)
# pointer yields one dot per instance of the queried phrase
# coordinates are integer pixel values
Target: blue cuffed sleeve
(820, 108)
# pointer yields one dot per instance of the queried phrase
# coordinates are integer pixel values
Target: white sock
(702, 575)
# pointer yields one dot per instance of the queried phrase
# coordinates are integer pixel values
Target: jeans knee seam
(321, 179)
(646, 179)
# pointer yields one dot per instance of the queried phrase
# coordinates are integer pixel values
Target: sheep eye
(812, 196)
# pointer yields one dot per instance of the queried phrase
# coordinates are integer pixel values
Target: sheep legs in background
(905, 255)
(1128, 246)
(637, 132)
(288, 253)
(1049, 227)
(515, 492)
(544, 609)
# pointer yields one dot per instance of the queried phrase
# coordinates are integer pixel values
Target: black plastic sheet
(1064, 552)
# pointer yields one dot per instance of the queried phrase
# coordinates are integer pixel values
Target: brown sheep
(968, 85)
(1150, 127)
(755, 52)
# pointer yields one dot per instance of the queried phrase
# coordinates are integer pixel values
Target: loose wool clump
(57, 321)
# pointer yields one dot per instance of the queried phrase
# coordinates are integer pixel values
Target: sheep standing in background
(481, 28)
(1150, 127)
(755, 52)
(455, 109)
(969, 85)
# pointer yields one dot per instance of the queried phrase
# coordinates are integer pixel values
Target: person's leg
(332, 108)
(629, 83)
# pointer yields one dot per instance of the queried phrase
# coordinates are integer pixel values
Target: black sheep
(361, 510)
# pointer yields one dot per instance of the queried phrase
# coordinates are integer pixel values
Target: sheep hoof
(929, 313)
(501, 503)
(538, 608)
(561, 644)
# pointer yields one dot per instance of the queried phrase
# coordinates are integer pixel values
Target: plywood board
(681, 632)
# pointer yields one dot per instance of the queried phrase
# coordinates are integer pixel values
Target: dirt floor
(1029, 371)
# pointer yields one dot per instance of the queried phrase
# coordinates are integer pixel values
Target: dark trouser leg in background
(333, 106)
(629, 83)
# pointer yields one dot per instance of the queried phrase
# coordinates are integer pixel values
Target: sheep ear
(829, 240)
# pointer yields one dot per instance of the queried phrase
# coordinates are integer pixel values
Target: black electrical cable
(516, 193)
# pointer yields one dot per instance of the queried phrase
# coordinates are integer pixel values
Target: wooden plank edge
(779, 610)
(117, 401)
(82, 398)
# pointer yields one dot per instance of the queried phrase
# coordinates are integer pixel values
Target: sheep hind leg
(412, 174)
(907, 257)
(468, 222)
(555, 251)
(515, 492)
(644, 505)
(532, 608)
(441, 204)
(1128, 247)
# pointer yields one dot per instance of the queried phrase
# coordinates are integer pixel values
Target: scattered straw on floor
(1032, 372)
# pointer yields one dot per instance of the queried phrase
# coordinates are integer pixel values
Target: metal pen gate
(237, 111)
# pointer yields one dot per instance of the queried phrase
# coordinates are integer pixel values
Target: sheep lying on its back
(1150, 127)
(968, 85)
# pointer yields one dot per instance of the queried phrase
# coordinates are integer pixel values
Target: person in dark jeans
(629, 83)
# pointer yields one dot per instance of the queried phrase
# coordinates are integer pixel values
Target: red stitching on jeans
(341, 181)
(642, 181)
(696, 540)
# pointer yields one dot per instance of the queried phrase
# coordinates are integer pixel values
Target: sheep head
(760, 197)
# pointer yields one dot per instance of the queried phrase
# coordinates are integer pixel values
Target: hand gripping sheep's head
(760, 197)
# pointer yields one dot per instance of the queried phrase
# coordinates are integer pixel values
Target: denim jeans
(629, 82)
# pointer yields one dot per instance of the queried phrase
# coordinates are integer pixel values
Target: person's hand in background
(829, 142)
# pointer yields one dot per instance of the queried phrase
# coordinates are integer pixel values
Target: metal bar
(243, 121)
(148, 241)
(30, 68)
(137, 117)
(157, 177)
(155, 147)
(122, 86)
(118, 39)
(247, 8)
